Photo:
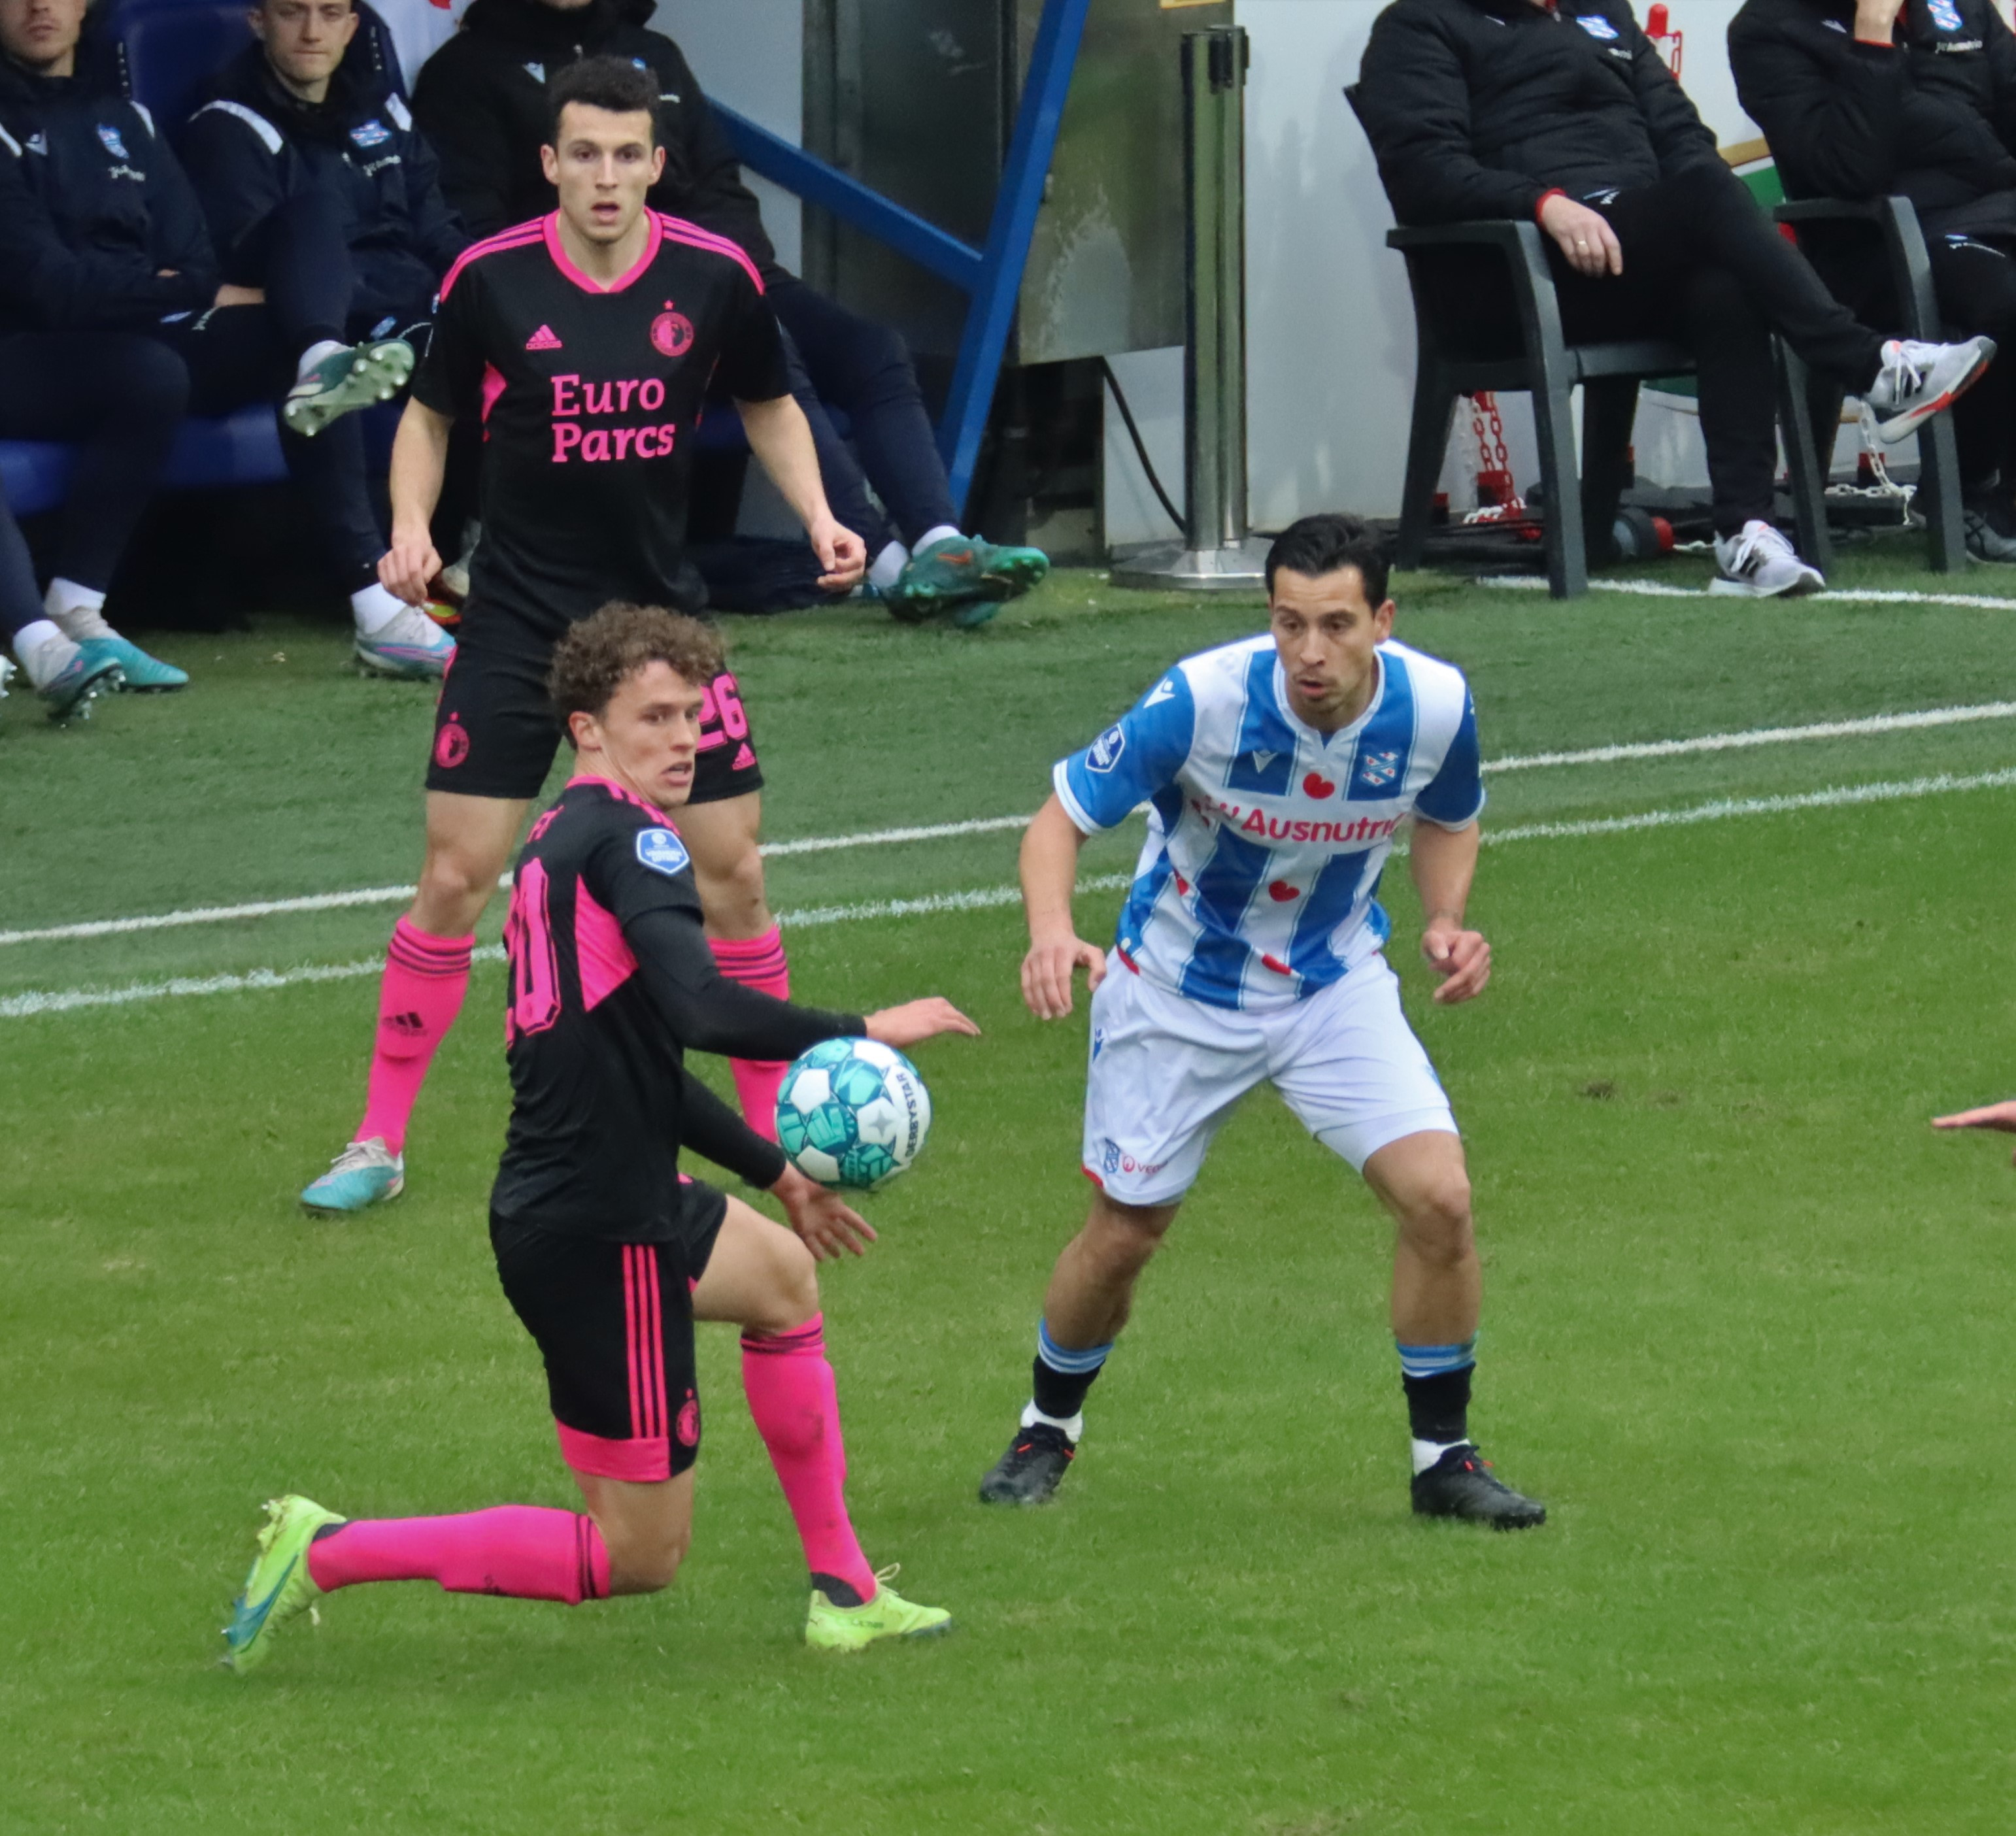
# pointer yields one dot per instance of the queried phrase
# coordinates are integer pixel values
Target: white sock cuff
(1427, 1452)
(32, 644)
(942, 532)
(66, 596)
(374, 607)
(313, 354)
(884, 570)
(1073, 1425)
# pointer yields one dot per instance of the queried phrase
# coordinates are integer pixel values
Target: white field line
(1661, 589)
(61, 1001)
(1869, 726)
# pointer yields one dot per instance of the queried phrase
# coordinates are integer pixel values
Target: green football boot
(346, 380)
(964, 576)
(829, 1628)
(279, 1588)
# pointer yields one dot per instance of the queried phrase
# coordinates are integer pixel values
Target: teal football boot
(137, 671)
(968, 577)
(365, 1173)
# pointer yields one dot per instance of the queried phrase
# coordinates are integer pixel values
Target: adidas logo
(411, 1024)
(543, 339)
(745, 756)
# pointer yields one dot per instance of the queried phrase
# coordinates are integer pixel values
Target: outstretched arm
(1050, 848)
(782, 439)
(1443, 862)
(1998, 1116)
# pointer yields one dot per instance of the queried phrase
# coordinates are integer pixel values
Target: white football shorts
(1167, 1071)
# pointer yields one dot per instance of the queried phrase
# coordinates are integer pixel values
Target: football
(853, 1114)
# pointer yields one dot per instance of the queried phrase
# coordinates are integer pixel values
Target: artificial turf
(1745, 1314)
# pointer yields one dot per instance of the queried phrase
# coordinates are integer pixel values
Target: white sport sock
(79, 610)
(943, 532)
(43, 649)
(1073, 1425)
(884, 569)
(313, 354)
(374, 608)
(1427, 1452)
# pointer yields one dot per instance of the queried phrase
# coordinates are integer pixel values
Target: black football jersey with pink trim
(589, 398)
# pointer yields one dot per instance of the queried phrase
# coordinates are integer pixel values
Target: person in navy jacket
(320, 193)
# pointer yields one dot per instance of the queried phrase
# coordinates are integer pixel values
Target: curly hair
(599, 652)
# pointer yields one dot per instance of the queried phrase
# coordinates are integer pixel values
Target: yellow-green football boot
(279, 1588)
(829, 1628)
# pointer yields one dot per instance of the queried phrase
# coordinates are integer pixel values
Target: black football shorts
(495, 732)
(613, 1322)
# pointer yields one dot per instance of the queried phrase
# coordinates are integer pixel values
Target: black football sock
(1061, 1377)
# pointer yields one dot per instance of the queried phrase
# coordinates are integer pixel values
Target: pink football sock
(757, 963)
(425, 979)
(792, 1396)
(523, 1550)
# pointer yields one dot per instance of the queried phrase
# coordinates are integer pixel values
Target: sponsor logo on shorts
(744, 759)
(451, 745)
(1104, 752)
(1596, 25)
(662, 851)
(1113, 1160)
(687, 1425)
(1098, 1040)
(672, 333)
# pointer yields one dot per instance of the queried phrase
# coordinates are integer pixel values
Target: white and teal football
(852, 1113)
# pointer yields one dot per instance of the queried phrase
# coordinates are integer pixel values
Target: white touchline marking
(63, 1000)
(1661, 589)
(1868, 726)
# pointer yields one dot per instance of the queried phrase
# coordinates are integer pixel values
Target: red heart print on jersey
(1316, 784)
(1182, 887)
(1280, 892)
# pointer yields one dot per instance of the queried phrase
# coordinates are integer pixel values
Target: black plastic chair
(1517, 343)
(1893, 224)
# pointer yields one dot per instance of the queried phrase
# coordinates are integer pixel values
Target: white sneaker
(1761, 564)
(411, 647)
(1918, 381)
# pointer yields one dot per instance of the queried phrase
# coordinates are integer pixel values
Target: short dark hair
(614, 85)
(600, 652)
(1325, 543)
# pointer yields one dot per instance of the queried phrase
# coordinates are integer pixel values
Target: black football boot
(1032, 1470)
(1460, 1484)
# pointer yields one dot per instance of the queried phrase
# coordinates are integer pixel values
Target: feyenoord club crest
(113, 144)
(672, 333)
(1379, 769)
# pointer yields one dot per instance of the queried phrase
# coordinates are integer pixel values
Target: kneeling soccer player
(608, 1253)
(1249, 948)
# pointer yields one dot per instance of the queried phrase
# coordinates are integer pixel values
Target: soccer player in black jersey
(585, 343)
(606, 1251)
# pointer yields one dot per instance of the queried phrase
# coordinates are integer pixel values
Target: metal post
(1216, 553)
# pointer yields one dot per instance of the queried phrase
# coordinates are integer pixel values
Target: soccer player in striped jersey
(584, 343)
(1276, 770)
(608, 1253)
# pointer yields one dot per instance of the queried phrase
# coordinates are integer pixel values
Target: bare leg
(1091, 1287)
(1438, 1284)
(721, 838)
(469, 847)
(646, 1529)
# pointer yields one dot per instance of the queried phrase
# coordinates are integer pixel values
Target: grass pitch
(1745, 1320)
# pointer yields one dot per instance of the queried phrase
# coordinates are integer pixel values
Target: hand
(842, 553)
(1876, 20)
(825, 1222)
(915, 1022)
(2000, 1116)
(1583, 236)
(228, 295)
(1461, 958)
(1048, 969)
(404, 569)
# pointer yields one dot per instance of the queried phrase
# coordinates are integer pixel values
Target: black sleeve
(56, 288)
(709, 1127)
(1413, 99)
(1833, 113)
(238, 181)
(705, 1010)
(449, 379)
(438, 236)
(713, 174)
(466, 127)
(2002, 71)
(177, 234)
(1679, 136)
(752, 357)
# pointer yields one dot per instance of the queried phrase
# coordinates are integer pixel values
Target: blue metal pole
(1015, 223)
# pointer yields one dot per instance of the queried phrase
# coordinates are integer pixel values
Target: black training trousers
(1704, 266)
(116, 396)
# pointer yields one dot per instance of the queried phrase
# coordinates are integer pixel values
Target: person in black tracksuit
(1566, 114)
(329, 204)
(1917, 101)
(102, 241)
(480, 98)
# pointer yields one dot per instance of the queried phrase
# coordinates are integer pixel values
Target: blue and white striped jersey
(1266, 838)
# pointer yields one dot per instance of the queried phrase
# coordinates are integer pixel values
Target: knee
(733, 895)
(454, 889)
(792, 1295)
(1121, 1240)
(1435, 1219)
(645, 1562)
